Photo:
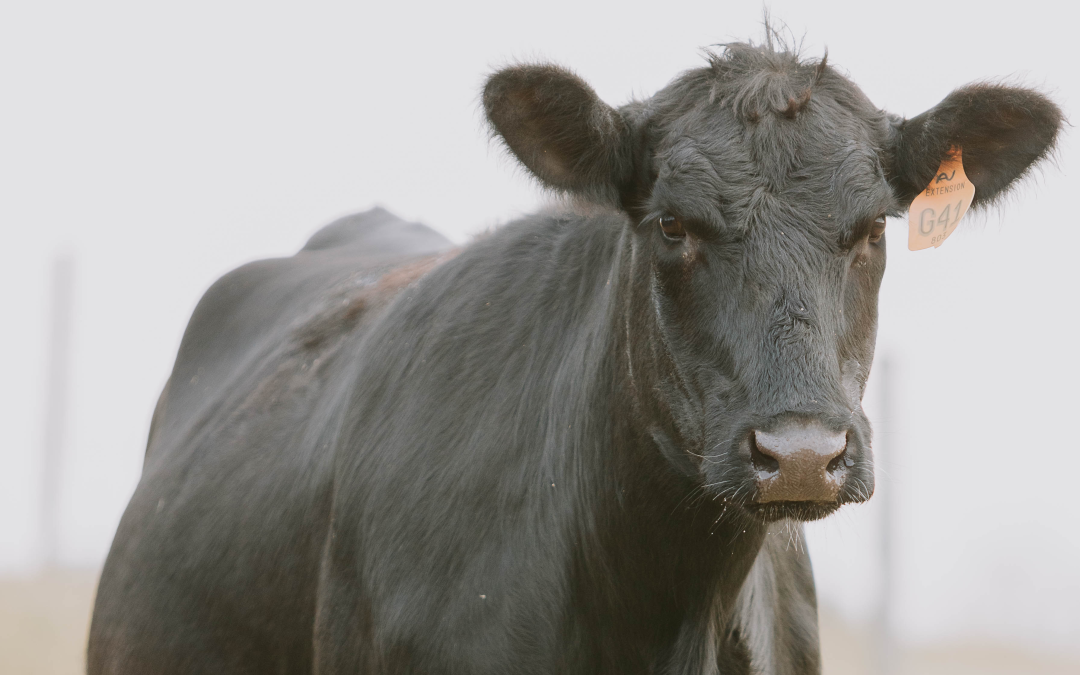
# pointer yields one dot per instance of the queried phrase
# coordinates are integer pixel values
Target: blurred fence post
(885, 650)
(56, 407)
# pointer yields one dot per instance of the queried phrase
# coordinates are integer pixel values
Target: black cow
(578, 445)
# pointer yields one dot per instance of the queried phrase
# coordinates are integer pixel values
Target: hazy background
(163, 146)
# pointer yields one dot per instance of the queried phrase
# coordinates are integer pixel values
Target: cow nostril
(761, 461)
(843, 459)
(836, 462)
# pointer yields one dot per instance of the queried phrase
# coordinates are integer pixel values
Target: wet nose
(799, 462)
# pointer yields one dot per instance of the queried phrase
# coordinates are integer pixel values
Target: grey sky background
(163, 146)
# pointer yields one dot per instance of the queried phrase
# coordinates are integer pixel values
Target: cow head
(757, 190)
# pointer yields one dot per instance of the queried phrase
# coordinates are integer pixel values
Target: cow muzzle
(801, 461)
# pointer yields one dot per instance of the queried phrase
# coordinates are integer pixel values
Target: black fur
(532, 456)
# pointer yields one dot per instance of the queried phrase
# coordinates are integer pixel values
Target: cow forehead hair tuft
(758, 80)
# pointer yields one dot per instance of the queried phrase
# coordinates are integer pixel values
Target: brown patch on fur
(345, 311)
(398, 278)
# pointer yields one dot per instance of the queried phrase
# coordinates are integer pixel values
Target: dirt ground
(44, 622)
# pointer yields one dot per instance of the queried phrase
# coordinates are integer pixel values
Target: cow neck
(673, 555)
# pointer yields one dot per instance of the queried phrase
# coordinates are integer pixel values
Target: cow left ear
(562, 132)
(1001, 131)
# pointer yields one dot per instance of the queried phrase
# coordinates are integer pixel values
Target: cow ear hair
(1001, 131)
(557, 126)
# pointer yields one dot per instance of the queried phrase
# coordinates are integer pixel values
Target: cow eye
(672, 227)
(877, 229)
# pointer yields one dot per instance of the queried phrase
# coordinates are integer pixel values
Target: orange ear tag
(937, 210)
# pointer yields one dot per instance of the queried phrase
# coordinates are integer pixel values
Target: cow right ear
(562, 132)
(1001, 131)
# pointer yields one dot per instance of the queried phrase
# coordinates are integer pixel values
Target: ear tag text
(936, 212)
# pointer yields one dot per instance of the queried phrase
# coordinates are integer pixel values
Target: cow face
(757, 190)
